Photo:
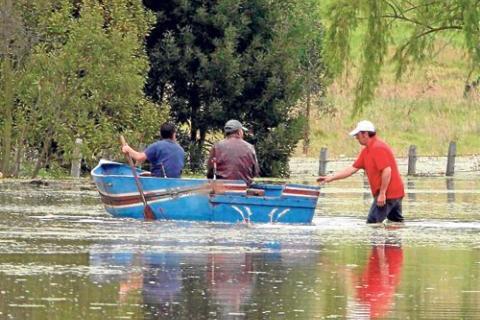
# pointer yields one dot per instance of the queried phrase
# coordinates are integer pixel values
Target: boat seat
(145, 174)
(255, 192)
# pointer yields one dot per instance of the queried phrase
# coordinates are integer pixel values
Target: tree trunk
(194, 151)
(43, 156)
(306, 129)
(19, 152)
(7, 116)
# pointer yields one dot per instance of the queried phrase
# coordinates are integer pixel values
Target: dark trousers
(391, 210)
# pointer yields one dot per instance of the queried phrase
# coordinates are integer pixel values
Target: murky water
(62, 257)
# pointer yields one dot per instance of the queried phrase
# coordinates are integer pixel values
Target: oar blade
(148, 213)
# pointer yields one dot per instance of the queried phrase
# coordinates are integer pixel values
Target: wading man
(378, 161)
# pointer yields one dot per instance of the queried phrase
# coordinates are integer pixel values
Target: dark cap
(233, 125)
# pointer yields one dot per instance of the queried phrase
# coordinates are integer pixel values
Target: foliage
(278, 146)
(304, 38)
(420, 22)
(13, 48)
(82, 78)
(217, 60)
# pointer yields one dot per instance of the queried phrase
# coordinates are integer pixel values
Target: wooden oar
(209, 187)
(216, 188)
(147, 210)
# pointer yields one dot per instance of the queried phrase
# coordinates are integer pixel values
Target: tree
(13, 48)
(305, 34)
(84, 78)
(217, 60)
(421, 22)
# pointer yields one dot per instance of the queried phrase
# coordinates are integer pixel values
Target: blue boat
(202, 199)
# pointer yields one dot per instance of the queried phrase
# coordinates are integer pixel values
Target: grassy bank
(425, 108)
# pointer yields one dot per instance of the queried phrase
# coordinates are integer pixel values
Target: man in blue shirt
(166, 155)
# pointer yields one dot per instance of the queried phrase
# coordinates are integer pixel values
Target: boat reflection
(210, 284)
(376, 285)
(156, 278)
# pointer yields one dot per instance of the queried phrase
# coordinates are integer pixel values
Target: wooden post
(452, 152)
(322, 165)
(76, 159)
(412, 160)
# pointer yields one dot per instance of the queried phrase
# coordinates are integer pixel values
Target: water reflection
(231, 280)
(153, 278)
(376, 285)
(209, 285)
(412, 196)
(450, 183)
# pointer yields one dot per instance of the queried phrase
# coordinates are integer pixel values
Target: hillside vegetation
(426, 107)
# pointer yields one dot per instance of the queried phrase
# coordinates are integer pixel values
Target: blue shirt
(166, 153)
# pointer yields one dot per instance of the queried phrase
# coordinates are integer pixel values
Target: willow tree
(421, 22)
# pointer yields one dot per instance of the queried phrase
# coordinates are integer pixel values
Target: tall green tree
(421, 22)
(216, 60)
(304, 36)
(84, 78)
(14, 46)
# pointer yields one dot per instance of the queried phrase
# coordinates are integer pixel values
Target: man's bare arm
(139, 157)
(342, 174)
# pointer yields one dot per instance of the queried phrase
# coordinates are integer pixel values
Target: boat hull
(200, 200)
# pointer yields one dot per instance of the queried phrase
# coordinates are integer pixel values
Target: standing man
(378, 161)
(165, 155)
(233, 158)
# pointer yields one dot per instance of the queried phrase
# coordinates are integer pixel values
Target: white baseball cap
(363, 125)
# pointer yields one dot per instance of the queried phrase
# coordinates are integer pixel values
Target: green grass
(428, 124)
(425, 107)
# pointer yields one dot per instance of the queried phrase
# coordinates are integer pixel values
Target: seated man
(233, 158)
(165, 155)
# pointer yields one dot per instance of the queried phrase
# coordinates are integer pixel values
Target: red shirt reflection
(380, 279)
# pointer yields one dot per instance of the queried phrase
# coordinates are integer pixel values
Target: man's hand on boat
(324, 179)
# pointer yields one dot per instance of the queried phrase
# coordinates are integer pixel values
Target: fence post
(452, 152)
(322, 164)
(412, 160)
(76, 159)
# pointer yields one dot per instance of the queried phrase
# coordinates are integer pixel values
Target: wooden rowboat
(202, 199)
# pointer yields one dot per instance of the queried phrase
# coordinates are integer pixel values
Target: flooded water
(63, 257)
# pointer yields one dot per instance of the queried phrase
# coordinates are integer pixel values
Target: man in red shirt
(378, 161)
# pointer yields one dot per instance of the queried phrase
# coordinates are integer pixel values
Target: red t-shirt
(375, 157)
